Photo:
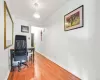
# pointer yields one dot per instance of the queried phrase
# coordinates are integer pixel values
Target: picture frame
(24, 29)
(74, 19)
(8, 27)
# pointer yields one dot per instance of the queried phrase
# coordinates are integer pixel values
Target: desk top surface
(27, 48)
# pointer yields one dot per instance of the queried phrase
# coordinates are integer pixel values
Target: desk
(12, 51)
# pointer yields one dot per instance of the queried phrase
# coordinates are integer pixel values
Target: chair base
(19, 66)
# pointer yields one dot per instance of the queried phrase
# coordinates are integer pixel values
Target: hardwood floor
(24, 74)
(43, 69)
(47, 70)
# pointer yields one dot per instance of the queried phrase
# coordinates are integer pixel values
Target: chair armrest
(12, 51)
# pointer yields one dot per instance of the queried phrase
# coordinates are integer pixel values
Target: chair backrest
(20, 45)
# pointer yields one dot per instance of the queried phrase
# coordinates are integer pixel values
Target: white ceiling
(24, 9)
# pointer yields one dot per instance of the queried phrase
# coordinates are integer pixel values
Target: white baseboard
(51, 59)
(7, 75)
(56, 62)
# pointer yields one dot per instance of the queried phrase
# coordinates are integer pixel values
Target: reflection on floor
(47, 70)
(24, 74)
(43, 69)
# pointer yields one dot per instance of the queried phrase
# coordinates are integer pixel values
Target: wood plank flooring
(24, 74)
(47, 70)
(43, 69)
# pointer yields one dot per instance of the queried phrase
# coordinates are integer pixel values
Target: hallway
(64, 34)
(43, 69)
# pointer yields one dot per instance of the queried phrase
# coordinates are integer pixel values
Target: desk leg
(12, 69)
(33, 58)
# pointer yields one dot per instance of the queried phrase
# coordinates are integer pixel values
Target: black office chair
(21, 53)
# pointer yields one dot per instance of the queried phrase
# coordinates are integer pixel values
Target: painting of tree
(72, 21)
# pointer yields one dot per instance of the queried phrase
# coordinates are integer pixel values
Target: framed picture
(25, 29)
(8, 27)
(74, 19)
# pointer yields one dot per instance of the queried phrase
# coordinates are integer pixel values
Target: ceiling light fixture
(36, 5)
(36, 15)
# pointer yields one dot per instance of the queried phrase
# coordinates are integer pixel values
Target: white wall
(73, 50)
(4, 54)
(96, 41)
(4, 59)
(17, 30)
